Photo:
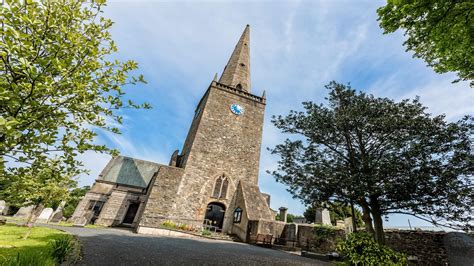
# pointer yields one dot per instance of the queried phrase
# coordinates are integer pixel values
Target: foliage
(385, 156)
(438, 31)
(35, 248)
(28, 258)
(75, 197)
(206, 232)
(289, 217)
(37, 185)
(361, 249)
(337, 210)
(177, 226)
(323, 232)
(58, 86)
(62, 247)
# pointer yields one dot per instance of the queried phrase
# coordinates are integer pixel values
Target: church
(212, 182)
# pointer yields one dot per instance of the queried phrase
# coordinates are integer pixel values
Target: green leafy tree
(75, 197)
(337, 211)
(387, 157)
(58, 83)
(289, 217)
(438, 31)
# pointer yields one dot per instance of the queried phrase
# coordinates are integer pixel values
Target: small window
(239, 87)
(242, 64)
(237, 215)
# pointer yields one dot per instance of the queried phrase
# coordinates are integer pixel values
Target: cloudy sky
(296, 48)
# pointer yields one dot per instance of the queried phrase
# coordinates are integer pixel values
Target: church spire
(237, 71)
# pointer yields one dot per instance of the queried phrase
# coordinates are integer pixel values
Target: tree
(387, 157)
(289, 217)
(58, 84)
(438, 31)
(75, 197)
(337, 211)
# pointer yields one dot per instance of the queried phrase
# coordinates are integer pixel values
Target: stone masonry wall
(115, 208)
(162, 197)
(427, 246)
(223, 143)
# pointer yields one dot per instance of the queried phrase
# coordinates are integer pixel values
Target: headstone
(45, 215)
(340, 224)
(348, 228)
(24, 212)
(283, 214)
(3, 207)
(57, 215)
(322, 216)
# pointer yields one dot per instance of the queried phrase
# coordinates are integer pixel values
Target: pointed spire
(237, 71)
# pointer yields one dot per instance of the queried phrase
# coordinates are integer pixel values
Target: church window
(220, 188)
(237, 215)
(239, 87)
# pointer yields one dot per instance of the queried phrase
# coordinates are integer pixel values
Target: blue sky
(296, 48)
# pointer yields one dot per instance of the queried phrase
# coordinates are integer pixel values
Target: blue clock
(237, 109)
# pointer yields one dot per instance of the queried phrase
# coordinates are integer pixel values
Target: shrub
(169, 224)
(361, 249)
(28, 258)
(60, 248)
(206, 232)
(323, 232)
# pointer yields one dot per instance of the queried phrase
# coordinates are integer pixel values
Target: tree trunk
(354, 224)
(32, 219)
(366, 218)
(378, 222)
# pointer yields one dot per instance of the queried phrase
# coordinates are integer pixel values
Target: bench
(262, 239)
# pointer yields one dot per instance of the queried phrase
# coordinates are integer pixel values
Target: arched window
(237, 215)
(220, 188)
(239, 87)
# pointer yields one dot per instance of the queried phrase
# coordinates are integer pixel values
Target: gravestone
(45, 215)
(57, 215)
(3, 207)
(322, 216)
(24, 212)
(348, 228)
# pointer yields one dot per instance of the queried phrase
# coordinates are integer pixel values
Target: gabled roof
(255, 203)
(129, 171)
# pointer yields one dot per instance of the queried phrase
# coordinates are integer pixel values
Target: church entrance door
(214, 215)
(131, 212)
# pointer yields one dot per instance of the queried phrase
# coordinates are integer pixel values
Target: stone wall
(308, 239)
(427, 246)
(266, 227)
(219, 143)
(162, 197)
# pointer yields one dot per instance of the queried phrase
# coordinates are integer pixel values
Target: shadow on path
(121, 247)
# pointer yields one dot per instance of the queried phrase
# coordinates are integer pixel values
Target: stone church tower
(214, 180)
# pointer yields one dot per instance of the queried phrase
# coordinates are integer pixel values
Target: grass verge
(41, 247)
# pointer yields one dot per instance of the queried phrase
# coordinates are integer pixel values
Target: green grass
(12, 242)
(87, 226)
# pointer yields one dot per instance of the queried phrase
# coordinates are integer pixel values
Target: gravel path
(122, 247)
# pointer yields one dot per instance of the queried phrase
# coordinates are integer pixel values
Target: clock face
(237, 109)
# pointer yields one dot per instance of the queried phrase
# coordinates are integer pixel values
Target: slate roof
(129, 171)
(255, 203)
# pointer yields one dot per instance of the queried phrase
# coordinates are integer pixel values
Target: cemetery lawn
(12, 242)
(68, 224)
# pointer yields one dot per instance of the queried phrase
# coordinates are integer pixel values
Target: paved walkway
(122, 247)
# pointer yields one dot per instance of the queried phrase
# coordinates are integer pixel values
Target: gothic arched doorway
(215, 215)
